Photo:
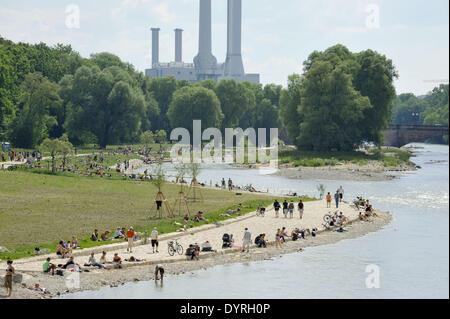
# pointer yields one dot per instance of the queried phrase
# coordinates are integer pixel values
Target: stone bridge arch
(400, 135)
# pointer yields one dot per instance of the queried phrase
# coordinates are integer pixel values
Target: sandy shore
(31, 268)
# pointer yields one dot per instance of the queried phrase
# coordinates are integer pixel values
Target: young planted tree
(158, 180)
(66, 149)
(321, 190)
(181, 201)
(195, 169)
(53, 146)
(147, 138)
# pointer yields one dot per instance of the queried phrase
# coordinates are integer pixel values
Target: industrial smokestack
(205, 59)
(155, 46)
(178, 45)
(234, 65)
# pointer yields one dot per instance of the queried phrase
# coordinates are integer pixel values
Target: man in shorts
(301, 209)
(285, 208)
(159, 269)
(277, 207)
(247, 240)
(130, 238)
(154, 237)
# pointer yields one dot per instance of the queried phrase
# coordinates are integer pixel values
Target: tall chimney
(205, 59)
(155, 46)
(234, 65)
(178, 45)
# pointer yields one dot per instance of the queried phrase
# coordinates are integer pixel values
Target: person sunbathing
(60, 250)
(117, 260)
(104, 236)
(37, 288)
(134, 260)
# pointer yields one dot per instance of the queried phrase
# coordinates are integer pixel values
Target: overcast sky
(278, 35)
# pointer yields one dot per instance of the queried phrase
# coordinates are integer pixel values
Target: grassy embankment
(388, 157)
(39, 210)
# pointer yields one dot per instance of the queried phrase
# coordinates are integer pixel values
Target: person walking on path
(277, 207)
(155, 243)
(291, 209)
(301, 208)
(130, 237)
(285, 208)
(247, 240)
(336, 198)
(10, 271)
(341, 194)
(328, 200)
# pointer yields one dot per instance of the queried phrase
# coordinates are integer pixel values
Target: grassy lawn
(41, 209)
(389, 157)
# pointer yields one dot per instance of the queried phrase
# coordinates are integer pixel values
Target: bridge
(400, 135)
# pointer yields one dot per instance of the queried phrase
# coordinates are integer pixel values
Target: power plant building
(205, 64)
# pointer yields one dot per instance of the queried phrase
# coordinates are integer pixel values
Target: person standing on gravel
(130, 238)
(247, 240)
(155, 243)
(9, 277)
(277, 207)
(341, 193)
(301, 209)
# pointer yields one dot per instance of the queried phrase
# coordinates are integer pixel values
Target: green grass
(387, 156)
(42, 209)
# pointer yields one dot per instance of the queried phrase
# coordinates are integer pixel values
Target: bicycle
(261, 211)
(174, 247)
(328, 217)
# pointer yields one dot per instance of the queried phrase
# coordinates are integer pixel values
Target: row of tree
(431, 109)
(341, 100)
(48, 91)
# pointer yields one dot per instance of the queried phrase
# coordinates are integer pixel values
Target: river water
(411, 255)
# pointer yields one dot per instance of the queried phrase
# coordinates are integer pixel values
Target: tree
(163, 89)
(194, 103)
(290, 100)
(161, 136)
(39, 103)
(6, 84)
(235, 99)
(374, 78)
(53, 146)
(158, 176)
(407, 109)
(107, 104)
(147, 138)
(65, 149)
(332, 110)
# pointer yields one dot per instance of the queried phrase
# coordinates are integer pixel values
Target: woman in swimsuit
(9, 277)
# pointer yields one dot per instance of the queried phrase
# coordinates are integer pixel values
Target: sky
(278, 35)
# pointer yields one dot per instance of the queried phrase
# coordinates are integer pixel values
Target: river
(411, 254)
